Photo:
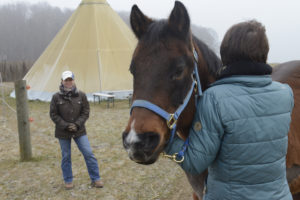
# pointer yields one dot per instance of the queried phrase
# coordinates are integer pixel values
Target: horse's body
(162, 67)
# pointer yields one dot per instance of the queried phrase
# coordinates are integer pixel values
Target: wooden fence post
(23, 122)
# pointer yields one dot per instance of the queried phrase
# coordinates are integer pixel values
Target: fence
(8, 116)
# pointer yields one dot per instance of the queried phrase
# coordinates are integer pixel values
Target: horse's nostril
(142, 147)
(141, 143)
(148, 141)
(124, 134)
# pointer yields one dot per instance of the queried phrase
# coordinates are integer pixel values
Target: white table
(110, 97)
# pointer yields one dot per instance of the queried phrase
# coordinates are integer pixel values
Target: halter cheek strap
(171, 118)
(196, 73)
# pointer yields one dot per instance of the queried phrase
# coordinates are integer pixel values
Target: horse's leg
(293, 177)
(197, 182)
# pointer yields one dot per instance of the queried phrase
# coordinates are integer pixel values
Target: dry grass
(41, 178)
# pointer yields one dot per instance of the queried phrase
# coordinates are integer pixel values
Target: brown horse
(162, 67)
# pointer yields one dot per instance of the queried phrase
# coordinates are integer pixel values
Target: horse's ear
(139, 22)
(179, 20)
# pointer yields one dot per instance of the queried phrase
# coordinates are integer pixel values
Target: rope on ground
(3, 112)
(2, 94)
(8, 86)
(11, 108)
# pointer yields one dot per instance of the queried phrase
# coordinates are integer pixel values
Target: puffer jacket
(240, 133)
(64, 111)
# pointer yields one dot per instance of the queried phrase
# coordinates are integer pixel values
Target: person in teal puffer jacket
(240, 129)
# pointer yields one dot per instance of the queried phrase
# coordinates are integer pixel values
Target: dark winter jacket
(72, 109)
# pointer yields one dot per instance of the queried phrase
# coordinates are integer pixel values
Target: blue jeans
(86, 150)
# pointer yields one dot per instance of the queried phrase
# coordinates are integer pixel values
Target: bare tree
(26, 30)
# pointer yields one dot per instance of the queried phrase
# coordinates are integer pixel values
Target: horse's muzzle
(142, 147)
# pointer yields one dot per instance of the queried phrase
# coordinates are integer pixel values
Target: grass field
(41, 178)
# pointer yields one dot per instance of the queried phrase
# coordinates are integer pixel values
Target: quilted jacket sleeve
(204, 137)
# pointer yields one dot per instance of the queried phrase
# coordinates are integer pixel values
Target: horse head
(162, 67)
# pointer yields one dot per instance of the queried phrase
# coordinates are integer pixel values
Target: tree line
(27, 29)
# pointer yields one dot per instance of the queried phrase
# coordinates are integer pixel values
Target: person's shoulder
(81, 93)
(218, 91)
(55, 95)
(284, 93)
(282, 87)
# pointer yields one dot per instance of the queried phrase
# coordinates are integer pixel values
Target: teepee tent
(96, 45)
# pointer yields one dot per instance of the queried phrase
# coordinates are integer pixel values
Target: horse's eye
(178, 73)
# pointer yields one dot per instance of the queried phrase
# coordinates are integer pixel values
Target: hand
(72, 127)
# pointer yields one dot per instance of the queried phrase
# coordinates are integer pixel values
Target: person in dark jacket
(69, 110)
(240, 129)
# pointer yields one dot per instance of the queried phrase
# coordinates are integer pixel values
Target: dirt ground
(41, 178)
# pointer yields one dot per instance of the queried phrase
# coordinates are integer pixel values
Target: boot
(97, 184)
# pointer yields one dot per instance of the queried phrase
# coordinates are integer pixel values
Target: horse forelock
(155, 32)
(160, 31)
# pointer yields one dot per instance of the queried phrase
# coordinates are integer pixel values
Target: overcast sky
(280, 17)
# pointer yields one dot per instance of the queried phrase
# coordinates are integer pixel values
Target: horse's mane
(213, 61)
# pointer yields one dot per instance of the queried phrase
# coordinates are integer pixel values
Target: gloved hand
(72, 127)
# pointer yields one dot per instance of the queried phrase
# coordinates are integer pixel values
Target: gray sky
(281, 18)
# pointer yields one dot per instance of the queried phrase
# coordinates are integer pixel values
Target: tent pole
(99, 67)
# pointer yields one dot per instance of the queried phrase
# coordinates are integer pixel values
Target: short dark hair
(245, 41)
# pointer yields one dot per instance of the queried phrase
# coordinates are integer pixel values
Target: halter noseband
(171, 118)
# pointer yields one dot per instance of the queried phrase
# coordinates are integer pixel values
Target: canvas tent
(96, 45)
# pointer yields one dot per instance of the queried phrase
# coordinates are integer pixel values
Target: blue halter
(171, 119)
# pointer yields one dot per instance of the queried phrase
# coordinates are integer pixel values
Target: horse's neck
(187, 115)
(186, 119)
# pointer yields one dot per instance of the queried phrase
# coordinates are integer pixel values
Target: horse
(289, 73)
(163, 68)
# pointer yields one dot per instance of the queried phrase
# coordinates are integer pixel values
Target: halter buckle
(171, 122)
(196, 86)
(174, 157)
